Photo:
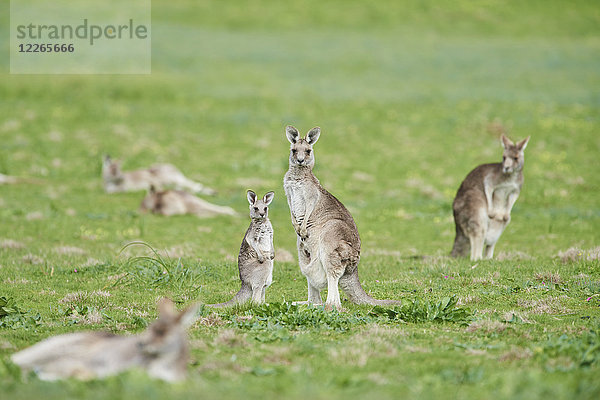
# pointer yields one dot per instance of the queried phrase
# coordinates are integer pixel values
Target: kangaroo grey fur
(177, 202)
(327, 237)
(159, 175)
(484, 200)
(161, 350)
(255, 260)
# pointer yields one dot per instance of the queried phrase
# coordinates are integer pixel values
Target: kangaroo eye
(503, 158)
(516, 159)
(307, 151)
(294, 151)
(265, 209)
(255, 208)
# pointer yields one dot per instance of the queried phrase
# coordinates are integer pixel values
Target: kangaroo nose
(300, 161)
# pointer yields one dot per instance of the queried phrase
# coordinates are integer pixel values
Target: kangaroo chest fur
(298, 193)
(501, 206)
(261, 234)
(501, 193)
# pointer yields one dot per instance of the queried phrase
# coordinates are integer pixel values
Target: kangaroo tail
(203, 209)
(355, 292)
(462, 244)
(244, 294)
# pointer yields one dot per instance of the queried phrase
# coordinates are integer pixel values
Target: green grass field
(410, 96)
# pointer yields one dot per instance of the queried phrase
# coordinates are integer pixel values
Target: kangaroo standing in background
(177, 202)
(328, 241)
(255, 260)
(159, 175)
(484, 200)
(162, 350)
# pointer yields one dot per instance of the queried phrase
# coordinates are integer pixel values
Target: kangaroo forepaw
(303, 233)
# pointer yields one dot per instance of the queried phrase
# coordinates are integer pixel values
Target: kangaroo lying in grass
(484, 200)
(255, 260)
(159, 175)
(161, 350)
(328, 241)
(176, 202)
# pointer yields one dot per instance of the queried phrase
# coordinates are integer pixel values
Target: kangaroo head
(166, 337)
(111, 169)
(259, 208)
(513, 157)
(301, 149)
(151, 201)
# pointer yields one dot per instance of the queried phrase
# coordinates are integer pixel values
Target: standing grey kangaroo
(484, 200)
(162, 350)
(327, 237)
(159, 175)
(255, 260)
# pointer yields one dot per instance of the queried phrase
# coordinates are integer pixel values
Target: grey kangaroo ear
(251, 197)
(166, 307)
(313, 135)
(523, 143)
(188, 316)
(292, 134)
(506, 142)
(268, 198)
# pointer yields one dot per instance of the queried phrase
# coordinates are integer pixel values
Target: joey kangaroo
(159, 175)
(175, 202)
(161, 350)
(328, 241)
(484, 200)
(255, 260)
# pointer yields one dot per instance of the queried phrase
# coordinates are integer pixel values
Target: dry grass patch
(79, 297)
(230, 338)
(282, 255)
(211, 320)
(34, 216)
(177, 251)
(468, 299)
(487, 326)
(32, 259)
(70, 250)
(10, 244)
(16, 281)
(549, 277)
(424, 188)
(279, 356)
(515, 354)
(573, 254)
(374, 341)
(417, 349)
(548, 305)
(486, 280)
(93, 317)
